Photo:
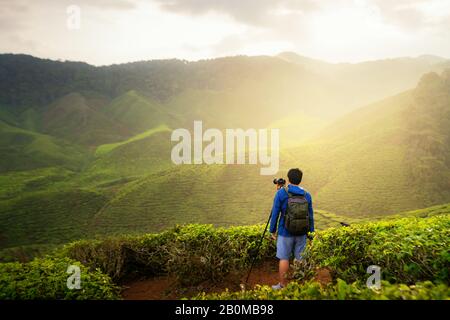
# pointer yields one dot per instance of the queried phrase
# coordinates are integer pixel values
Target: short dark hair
(295, 175)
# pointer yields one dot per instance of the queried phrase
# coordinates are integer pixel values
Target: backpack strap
(286, 189)
(304, 193)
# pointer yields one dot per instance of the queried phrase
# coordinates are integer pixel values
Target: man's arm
(311, 214)
(276, 208)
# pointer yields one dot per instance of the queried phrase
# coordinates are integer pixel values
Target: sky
(103, 32)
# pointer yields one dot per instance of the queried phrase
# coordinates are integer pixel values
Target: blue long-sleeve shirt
(280, 205)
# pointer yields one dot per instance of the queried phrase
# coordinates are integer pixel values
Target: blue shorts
(286, 246)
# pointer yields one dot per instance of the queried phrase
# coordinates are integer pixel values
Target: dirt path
(161, 288)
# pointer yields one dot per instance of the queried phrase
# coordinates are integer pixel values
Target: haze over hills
(397, 149)
(370, 81)
(383, 158)
(91, 145)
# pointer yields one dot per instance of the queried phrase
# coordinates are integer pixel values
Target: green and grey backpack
(296, 219)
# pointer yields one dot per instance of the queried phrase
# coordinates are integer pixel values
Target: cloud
(14, 16)
(122, 30)
(297, 20)
(106, 4)
(252, 12)
(23, 6)
(407, 14)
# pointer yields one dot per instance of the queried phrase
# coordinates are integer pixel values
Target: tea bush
(46, 279)
(413, 254)
(337, 291)
(192, 253)
(407, 250)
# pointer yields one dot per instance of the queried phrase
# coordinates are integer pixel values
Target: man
(288, 244)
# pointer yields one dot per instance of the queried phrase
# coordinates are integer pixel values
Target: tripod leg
(257, 250)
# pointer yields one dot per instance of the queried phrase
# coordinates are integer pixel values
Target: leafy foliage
(412, 253)
(46, 279)
(407, 250)
(340, 290)
(192, 253)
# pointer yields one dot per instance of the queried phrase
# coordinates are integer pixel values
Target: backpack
(296, 219)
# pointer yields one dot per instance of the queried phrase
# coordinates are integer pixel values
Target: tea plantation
(413, 254)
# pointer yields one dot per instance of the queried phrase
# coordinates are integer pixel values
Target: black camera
(279, 181)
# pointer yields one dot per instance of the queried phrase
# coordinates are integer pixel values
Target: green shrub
(407, 250)
(44, 279)
(412, 253)
(192, 253)
(338, 291)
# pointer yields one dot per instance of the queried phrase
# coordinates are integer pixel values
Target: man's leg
(283, 269)
(299, 246)
(285, 246)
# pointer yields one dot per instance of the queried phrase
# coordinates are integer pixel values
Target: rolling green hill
(138, 113)
(77, 118)
(48, 217)
(23, 150)
(144, 153)
(92, 146)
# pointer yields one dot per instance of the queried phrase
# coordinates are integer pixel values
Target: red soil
(323, 276)
(163, 288)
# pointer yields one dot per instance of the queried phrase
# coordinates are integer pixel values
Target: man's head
(295, 176)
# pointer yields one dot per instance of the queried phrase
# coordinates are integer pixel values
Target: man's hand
(274, 236)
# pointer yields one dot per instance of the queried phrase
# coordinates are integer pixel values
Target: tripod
(259, 245)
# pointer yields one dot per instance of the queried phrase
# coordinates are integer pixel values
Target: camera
(279, 181)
